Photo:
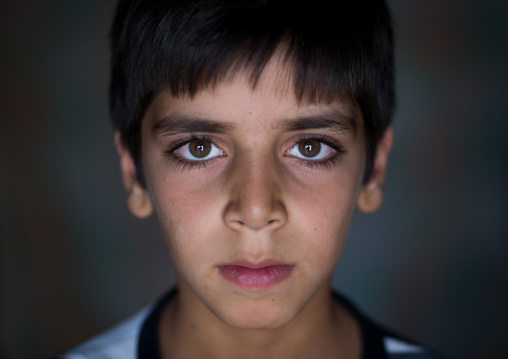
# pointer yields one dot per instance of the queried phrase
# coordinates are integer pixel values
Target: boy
(252, 129)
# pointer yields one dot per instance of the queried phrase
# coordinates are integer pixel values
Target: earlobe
(138, 199)
(139, 202)
(372, 192)
(371, 196)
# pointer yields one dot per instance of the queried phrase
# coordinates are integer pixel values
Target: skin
(254, 200)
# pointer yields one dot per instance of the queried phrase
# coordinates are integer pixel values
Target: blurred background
(432, 263)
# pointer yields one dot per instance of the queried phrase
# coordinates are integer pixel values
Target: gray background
(432, 263)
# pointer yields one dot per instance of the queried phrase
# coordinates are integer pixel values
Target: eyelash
(326, 163)
(182, 162)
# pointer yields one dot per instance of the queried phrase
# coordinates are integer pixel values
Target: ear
(371, 194)
(138, 199)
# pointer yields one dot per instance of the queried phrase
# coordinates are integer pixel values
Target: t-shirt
(137, 338)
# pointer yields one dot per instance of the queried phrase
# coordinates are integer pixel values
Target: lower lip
(256, 278)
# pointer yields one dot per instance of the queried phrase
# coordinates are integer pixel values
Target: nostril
(254, 204)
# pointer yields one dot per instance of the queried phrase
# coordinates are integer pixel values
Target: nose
(255, 197)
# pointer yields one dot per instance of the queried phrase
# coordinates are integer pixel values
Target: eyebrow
(333, 120)
(177, 123)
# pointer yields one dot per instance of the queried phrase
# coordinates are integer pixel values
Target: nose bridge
(255, 198)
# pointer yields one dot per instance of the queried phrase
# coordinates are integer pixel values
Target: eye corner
(330, 152)
(315, 148)
(183, 155)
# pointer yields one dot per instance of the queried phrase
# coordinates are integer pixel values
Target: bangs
(189, 46)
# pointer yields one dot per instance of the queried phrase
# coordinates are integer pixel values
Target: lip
(260, 275)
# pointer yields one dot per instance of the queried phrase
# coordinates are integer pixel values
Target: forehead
(270, 101)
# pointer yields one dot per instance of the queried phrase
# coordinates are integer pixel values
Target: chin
(269, 315)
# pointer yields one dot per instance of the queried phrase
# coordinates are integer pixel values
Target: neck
(188, 329)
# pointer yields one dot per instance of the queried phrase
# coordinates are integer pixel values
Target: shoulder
(397, 348)
(379, 342)
(127, 339)
(119, 342)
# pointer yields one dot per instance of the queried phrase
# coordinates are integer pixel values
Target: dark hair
(334, 49)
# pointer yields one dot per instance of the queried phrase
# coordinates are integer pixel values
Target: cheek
(323, 213)
(185, 213)
(324, 222)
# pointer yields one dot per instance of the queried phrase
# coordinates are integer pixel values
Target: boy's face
(254, 194)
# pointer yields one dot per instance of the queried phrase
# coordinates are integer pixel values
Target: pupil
(200, 148)
(309, 148)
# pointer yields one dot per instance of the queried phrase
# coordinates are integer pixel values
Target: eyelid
(215, 151)
(334, 158)
(323, 139)
(185, 162)
(325, 152)
(187, 139)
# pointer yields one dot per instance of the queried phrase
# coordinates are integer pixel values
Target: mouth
(255, 276)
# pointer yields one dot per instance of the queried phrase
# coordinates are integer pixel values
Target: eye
(199, 150)
(311, 149)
